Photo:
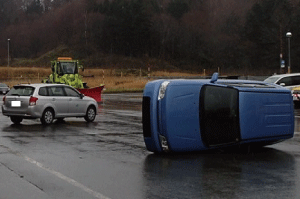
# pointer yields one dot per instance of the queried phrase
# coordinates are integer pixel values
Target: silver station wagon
(47, 102)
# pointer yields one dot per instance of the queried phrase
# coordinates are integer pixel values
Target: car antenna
(214, 78)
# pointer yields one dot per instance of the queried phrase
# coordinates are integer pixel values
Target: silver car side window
(57, 91)
(43, 91)
(71, 92)
(50, 93)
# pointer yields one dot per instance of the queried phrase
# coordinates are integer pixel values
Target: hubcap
(48, 117)
(91, 114)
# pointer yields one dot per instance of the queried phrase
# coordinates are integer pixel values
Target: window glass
(71, 92)
(68, 67)
(59, 69)
(271, 79)
(286, 80)
(50, 93)
(219, 116)
(56, 91)
(43, 91)
(21, 91)
(296, 80)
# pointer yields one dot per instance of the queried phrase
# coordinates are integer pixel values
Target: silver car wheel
(47, 117)
(90, 114)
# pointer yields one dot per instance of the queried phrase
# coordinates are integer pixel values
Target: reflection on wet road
(297, 120)
(108, 159)
(268, 173)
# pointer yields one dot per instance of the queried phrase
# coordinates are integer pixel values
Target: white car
(47, 102)
(290, 81)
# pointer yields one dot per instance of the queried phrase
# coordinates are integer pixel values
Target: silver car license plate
(16, 103)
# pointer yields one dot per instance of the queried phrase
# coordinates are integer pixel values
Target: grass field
(115, 80)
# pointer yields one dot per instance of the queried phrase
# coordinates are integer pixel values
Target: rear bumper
(29, 113)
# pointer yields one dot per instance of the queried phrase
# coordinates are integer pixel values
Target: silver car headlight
(162, 90)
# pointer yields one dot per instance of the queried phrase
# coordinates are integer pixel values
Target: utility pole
(8, 52)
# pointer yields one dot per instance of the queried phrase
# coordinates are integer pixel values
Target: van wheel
(90, 114)
(16, 119)
(47, 117)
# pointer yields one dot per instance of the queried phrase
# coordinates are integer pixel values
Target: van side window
(287, 81)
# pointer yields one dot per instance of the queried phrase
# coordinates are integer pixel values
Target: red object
(92, 92)
(32, 101)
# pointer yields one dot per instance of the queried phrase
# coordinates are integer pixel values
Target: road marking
(67, 179)
(59, 175)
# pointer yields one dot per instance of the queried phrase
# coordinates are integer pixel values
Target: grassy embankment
(115, 80)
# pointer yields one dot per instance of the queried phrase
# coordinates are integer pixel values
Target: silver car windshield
(21, 91)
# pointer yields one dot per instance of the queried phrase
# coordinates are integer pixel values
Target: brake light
(32, 101)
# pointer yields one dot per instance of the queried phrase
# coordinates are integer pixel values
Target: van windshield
(21, 91)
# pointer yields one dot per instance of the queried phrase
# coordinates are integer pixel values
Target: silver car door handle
(70, 99)
(53, 99)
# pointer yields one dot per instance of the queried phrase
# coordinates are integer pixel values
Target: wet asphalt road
(107, 159)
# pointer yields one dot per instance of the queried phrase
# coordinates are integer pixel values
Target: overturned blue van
(195, 115)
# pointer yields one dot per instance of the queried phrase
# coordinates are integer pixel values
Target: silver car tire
(16, 119)
(90, 114)
(47, 117)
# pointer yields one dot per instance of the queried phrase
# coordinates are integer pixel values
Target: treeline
(191, 34)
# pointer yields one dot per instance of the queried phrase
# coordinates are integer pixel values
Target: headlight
(164, 143)
(162, 90)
